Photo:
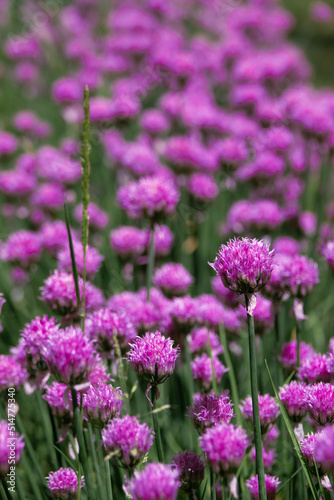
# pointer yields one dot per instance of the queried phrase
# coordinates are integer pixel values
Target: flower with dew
(209, 410)
(63, 484)
(191, 469)
(244, 265)
(101, 403)
(272, 483)
(127, 440)
(70, 356)
(224, 446)
(11, 446)
(156, 482)
(269, 410)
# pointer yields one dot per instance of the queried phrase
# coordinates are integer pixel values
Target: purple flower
(203, 187)
(154, 121)
(93, 259)
(17, 183)
(209, 410)
(8, 143)
(286, 245)
(271, 485)
(23, 247)
(260, 215)
(163, 240)
(67, 90)
(328, 253)
(226, 295)
(128, 242)
(269, 457)
(198, 341)
(151, 197)
(183, 311)
(102, 325)
(288, 356)
(57, 167)
(127, 440)
(155, 482)
(63, 484)
(58, 293)
(308, 445)
(54, 236)
(294, 399)
(314, 369)
(300, 276)
(245, 265)
(202, 370)
(320, 403)
(98, 219)
(102, 403)
(70, 356)
(324, 451)
(153, 356)
(48, 196)
(11, 446)
(12, 374)
(191, 468)
(173, 279)
(269, 410)
(224, 446)
(54, 396)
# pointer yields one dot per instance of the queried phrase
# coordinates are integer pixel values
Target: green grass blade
(74, 266)
(294, 439)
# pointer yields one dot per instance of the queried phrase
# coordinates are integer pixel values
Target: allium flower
(300, 276)
(98, 219)
(226, 295)
(324, 451)
(93, 259)
(48, 196)
(128, 242)
(315, 369)
(224, 446)
(269, 410)
(245, 265)
(198, 341)
(155, 482)
(183, 311)
(294, 399)
(153, 356)
(58, 293)
(320, 403)
(163, 240)
(70, 356)
(150, 197)
(288, 356)
(127, 440)
(328, 253)
(210, 311)
(54, 236)
(8, 143)
(286, 245)
(11, 445)
(308, 445)
(102, 325)
(57, 167)
(202, 370)
(17, 183)
(102, 403)
(268, 457)
(172, 279)
(263, 315)
(191, 468)
(271, 485)
(154, 121)
(54, 396)
(260, 215)
(12, 374)
(209, 410)
(63, 484)
(23, 247)
(203, 187)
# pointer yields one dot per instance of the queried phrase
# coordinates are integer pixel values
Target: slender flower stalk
(255, 403)
(85, 151)
(156, 427)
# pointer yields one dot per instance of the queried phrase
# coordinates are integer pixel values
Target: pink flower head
(98, 219)
(226, 295)
(324, 451)
(269, 457)
(308, 445)
(103, 325)
(269, 410)
(271, 485)
(127, 440)
(315, 369)
(260, 215)
(23, 247)
(56, 166)
(49, 196)
(155, 482)
(198, 341)
(209, 410)
(16, 182)
(163, 240)
(322, 12)
(8, 143)
(150, 197)
(224, 446)
(203, 187)
(202, 370)
(55, 397)
(308, 223)
(245, 265)
(11, 446)
(58, 293)
(70, 356)
(288, 356)
(191, 469)
(128, 242)
(12, 374)
(154, 121)
(183, 311)
(286, 245)
(67, 90)
(54, 236)
(172, 279)
(153, 356)
(300, 275)
(93, 259)
(320, 403)
(63, 483)
(102, 403)
(294, 399)
(328, 253)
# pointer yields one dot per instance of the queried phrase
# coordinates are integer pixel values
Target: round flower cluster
(63, 483)
(209, 410)
(202, 370)
(12, 374)
(156, 481)
(101, 403)
(7, 440)
(191, 469)
(172, 279)
(320, 403)
(269, 410)
(294, 399)
(271, 485)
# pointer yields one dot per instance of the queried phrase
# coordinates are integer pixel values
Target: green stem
(98, 471)
(150, 264)
(47, 429)
(4, 491)
(298, 336)
(255, 403)
(231, 374)
(156, 426)
(30, 475)
(78, 433)
(108, 480)
(85, 151)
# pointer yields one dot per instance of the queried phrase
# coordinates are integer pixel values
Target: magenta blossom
(209, 410)
(63, 483)
(155, 482)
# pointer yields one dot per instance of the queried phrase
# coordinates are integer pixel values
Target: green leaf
(74, 266)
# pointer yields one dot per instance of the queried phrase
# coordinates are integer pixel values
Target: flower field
(166, 250)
